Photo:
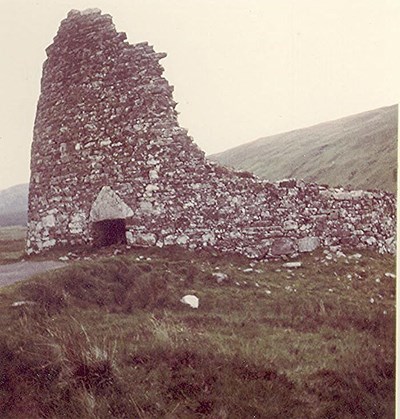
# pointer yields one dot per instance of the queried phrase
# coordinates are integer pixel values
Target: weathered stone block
(49, 221)
(308, 244)
(288, 183)
(290, 225)
(49, 243)
(282, 246)
(146, 239)
(77, 223)
(208, 239)
(182, 240)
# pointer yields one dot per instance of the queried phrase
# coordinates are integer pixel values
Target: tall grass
(110, 338)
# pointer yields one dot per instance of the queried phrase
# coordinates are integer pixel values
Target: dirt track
(19, 271)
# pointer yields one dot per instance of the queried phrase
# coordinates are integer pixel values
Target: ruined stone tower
(110, 164)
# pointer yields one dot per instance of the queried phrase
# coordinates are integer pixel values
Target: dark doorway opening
(108, 232)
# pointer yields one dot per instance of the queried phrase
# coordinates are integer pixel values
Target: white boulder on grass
(22, 303)
(191, 300)
(292, 265)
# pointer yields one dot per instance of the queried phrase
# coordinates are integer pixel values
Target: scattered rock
(190, 300)
(334, 249)
(390, 275)
(22, 303)
(355, 256)
(220, 277)
(292, 265)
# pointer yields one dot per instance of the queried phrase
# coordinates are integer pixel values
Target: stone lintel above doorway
(109, 206)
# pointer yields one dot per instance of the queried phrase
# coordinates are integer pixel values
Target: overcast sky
(242, 69)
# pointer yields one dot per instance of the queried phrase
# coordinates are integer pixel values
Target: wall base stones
(107, 145)
(308, 244)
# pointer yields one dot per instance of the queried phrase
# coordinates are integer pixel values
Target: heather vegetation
(109, 337)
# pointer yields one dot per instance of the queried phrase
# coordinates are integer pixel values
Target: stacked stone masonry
(107, 144)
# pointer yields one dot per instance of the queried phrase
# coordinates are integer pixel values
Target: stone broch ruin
(110, 164)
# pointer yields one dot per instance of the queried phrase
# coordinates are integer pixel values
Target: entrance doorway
(109, 232)
(108, 215)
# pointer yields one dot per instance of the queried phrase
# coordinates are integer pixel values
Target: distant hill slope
(359, 151)
(14, 205)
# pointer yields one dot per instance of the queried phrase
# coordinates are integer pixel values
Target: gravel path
(19, 271)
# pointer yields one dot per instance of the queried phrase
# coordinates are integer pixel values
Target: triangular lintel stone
(109, 206)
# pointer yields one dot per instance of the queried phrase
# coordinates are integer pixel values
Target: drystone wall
(107, 146)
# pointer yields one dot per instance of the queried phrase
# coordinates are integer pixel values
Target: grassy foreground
(110, 338)
(12, 243)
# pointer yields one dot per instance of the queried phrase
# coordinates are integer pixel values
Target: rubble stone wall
(106, 121)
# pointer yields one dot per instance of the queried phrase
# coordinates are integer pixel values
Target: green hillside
(359, 150)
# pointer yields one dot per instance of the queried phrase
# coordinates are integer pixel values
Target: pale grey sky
(242, 69)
